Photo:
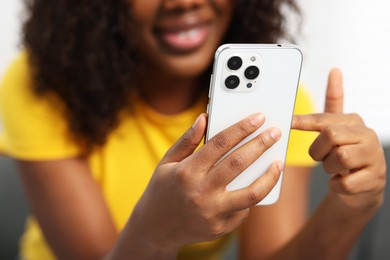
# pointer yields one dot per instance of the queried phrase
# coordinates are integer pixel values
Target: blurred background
(353, 35)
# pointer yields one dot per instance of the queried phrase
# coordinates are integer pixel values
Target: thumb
(188, 142)
(334, 92)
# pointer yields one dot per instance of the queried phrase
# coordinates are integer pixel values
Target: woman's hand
(186, 200)
(350, 152)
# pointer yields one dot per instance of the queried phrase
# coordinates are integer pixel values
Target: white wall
(10, 14)
(353, 35)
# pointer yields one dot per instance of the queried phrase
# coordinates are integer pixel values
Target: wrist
(366, 204)
(139, 241)
(156, 241)
(159, 245)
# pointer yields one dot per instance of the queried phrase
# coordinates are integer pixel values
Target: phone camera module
(252, 72)
(232, 82)
(234, 63)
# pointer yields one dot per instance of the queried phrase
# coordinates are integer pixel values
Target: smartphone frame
(274, 96)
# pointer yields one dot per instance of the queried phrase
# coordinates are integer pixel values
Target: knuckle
(330, 133)
(318, 120)
(343, 157)
(187, 139)
(207, 217)
(253, 197)
(274, 177)
(183, 175)
(237, 161)
(263, 140)
(243, 128)
(347, 186)
(197, 202)
(372, 134)
(356, 118)
(220, 142)
(217, 229)
(215, 226)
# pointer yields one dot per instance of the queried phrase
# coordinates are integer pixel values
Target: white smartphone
(250, 78)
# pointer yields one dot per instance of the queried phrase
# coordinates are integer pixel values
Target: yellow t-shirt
(34, 129)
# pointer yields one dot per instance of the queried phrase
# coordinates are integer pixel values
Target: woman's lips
(185, 39)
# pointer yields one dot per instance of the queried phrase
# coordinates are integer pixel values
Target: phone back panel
(272, 93)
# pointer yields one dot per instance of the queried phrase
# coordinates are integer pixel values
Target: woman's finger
(357, 182)
(249, 196)
(332, 137)
(236, 162)
(318, 122)
(188, 142)
(235, 220)
(210, 153)
(348, 157)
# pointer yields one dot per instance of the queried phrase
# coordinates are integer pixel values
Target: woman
(107, 88)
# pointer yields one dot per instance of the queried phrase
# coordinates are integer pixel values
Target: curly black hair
(82, 51)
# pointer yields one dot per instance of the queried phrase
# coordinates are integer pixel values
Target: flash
(253, 58)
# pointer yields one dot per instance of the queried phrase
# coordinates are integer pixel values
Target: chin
(186, 70)
(187, 66)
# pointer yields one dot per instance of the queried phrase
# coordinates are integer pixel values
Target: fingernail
(280, 166)
(257, 119)
(275, 133)
(197, 121)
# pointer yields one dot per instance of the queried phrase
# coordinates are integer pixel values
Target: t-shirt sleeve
(300, 141)
(33, 126)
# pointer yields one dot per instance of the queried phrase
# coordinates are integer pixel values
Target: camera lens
(252, 72)
(234, 63)
(232, 82)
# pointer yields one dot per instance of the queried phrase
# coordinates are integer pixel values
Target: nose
(182, 4)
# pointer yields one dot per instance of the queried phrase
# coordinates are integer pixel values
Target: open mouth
(185, 39)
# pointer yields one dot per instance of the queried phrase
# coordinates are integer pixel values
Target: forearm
(330, 233)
